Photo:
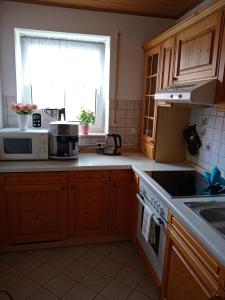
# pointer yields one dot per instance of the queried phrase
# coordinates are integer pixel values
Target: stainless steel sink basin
(212, 212)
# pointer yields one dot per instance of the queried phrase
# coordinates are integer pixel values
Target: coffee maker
(63, 140)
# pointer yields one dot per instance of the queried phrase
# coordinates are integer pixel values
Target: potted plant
(23, 110)
(86, 118)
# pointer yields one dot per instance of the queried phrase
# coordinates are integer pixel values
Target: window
(61, 70)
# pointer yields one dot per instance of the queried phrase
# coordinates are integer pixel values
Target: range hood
(198, 92)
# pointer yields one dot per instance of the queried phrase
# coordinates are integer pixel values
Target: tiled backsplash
(211, 129)
(128, 116)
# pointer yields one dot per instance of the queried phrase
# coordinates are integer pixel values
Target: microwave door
(14, 147)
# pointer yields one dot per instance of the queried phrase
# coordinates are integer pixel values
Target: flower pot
(84, 129)
(23, 122)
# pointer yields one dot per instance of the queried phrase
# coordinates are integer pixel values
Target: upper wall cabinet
(220, 99)
(151, 85)
(166, 65)
(197, 49)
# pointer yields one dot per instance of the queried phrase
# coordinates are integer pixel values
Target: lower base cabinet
(63, 206)
(120, 204)
(189, 271)
(33, 208)
(88, 206)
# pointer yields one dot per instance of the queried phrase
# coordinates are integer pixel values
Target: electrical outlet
(204, 121)
(203, 130)
(208, 146)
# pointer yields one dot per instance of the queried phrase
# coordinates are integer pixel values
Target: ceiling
(154, 8)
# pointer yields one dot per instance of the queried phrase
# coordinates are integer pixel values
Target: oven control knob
(43, 142)
(180, 96)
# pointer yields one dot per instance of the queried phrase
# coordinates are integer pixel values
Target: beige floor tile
(98, 297)
(76, 251)
(136, 263)
(43, 274)
(60, 261)
(77, 270)
(45, 254)
(4, 296)
(123, 254)
(92, 258)
(115, 291)
(9, 277)
(147, 288)
(3, 266)
(60, 284)
(96, 280)
(42, 294)
(79, 292)
(27, 264)
(13, 257)
(129, 277)
(137, 296)
(109, 267)
(23, 289)
(104, 249)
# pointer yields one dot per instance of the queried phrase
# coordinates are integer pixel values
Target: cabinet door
(220, 99)
(150, 87)
(185, 276)
(36, 213)
(88, 208)
(120, 206)
(182, 281)
(197, 49)
(167, 58)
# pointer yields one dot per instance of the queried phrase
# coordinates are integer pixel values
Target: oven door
(153, 251)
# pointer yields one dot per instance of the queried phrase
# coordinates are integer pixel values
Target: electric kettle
(113, 144)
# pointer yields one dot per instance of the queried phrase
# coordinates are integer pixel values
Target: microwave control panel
(43, 146)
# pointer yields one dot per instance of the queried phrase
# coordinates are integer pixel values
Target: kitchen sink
(213, 213)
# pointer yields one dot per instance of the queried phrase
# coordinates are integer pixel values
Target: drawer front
(207, 261)
(33, 178)
(121, 174)
(92, 175)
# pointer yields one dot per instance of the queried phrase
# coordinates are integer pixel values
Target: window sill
(92, 134)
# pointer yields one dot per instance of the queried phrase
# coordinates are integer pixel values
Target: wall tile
(219, 122)
(127, 123)
(212, 135)
(217, 135)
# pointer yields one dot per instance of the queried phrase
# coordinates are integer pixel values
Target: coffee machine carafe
(63, 140)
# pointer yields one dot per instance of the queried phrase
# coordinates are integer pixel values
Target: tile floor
(109, 271)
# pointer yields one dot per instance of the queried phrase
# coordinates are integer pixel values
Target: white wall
(135, 31)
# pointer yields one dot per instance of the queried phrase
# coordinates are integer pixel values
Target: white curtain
(62, 73)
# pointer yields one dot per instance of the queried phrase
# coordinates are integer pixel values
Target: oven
(153, 243)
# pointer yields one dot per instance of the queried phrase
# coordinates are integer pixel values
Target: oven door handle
(157, 220)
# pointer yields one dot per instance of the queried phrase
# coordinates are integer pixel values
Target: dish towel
(146, 223)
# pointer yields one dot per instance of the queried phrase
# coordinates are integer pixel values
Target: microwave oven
(23, 145)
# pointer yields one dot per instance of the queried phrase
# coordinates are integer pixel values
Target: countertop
(208, 237)
(139, 163)
(88, 161)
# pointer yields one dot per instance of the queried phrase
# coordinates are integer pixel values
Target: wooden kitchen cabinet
(220, 98)
(34, 212)
(166, 62)
(197, 49)
(151, 78)
(88, 203)
(189, 271)
(120, 201)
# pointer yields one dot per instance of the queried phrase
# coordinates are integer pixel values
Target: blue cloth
(214, 177)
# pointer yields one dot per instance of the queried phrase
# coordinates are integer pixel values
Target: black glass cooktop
(185, 184)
